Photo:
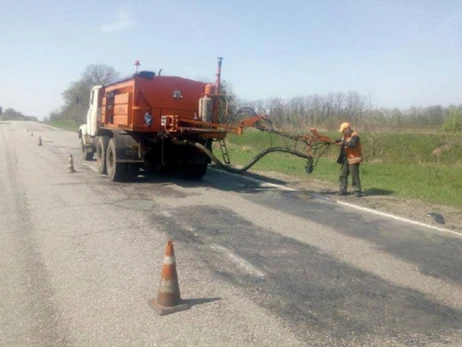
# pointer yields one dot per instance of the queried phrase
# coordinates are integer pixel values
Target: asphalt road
(261, 265)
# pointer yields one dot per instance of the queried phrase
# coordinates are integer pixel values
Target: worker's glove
(339, 141)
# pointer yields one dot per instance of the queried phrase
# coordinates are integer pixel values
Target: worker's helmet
(344, 126)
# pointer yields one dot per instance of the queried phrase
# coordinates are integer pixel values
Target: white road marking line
(262, 183)
(91, 167)
(365, 209)
(167, 214)
(278, 186)
(52, 127)
(388, 215)
(240, 262)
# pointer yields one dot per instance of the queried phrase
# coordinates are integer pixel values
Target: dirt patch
(444, 148)
(381, 201)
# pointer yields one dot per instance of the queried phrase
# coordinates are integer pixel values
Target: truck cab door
(93, 111)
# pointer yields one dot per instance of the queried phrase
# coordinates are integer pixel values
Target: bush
(454, 121)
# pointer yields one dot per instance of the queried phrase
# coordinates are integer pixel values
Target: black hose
(244, 110)
(262, 125)
(254, 160)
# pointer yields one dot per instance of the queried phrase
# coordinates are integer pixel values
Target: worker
(350, 158)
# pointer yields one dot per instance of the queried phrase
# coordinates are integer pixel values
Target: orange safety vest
(354, 155)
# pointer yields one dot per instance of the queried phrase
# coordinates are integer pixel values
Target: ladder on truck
(224, 151)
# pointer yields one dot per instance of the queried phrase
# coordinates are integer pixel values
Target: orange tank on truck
(149, 103)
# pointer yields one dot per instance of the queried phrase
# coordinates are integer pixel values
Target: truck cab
(88, 131)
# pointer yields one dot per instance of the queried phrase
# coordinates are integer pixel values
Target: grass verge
(430, 182)
(65, 125)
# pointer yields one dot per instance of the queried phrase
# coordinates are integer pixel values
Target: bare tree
(278, 112)
(99, 75)
(76, 96)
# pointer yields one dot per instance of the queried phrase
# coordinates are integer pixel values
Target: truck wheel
(117, 172)
(101, 149)
(194, 172)
(86, 155)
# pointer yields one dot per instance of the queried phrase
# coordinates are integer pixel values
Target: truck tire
(86, 155)
(101, 149)
(117, 172)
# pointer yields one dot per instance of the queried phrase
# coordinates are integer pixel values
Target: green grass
(415, 148)
(403, 168)
(66, 125)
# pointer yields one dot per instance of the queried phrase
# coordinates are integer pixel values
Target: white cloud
(178, 11)
(191, 23)
(124, 21)
(451, 19)
(446, 23)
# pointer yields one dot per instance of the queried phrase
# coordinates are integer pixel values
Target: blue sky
(398, 53)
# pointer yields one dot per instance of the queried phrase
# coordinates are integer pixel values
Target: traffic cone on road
(40, 141)
(70, 167)
(168, 298)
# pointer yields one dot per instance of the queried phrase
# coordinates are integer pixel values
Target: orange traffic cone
(168, 298)
(70, 166)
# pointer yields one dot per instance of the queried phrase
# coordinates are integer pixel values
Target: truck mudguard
(127, 148)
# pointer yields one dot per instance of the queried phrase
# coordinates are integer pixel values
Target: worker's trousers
(356, 182)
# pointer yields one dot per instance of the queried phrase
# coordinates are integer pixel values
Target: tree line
(321, 111)
(327, 111)
(12, 114)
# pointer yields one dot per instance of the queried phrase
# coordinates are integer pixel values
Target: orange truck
(150, 121)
